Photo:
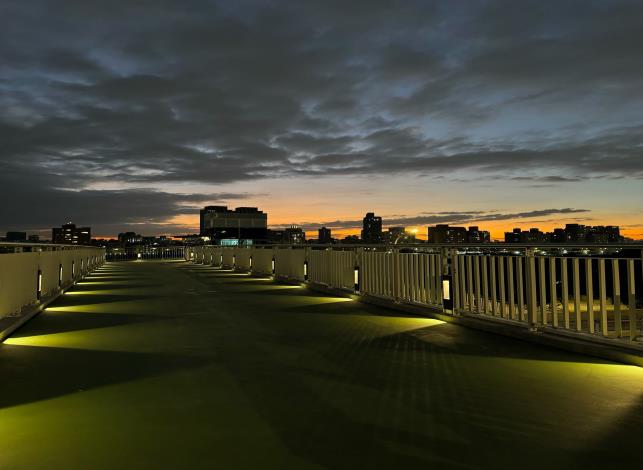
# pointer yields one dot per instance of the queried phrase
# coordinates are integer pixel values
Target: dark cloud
(215, 92)
(109, 211)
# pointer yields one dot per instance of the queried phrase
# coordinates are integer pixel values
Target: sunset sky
(129, 116)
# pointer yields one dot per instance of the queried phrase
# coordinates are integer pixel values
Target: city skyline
(249, 224)
(498, 224)
(486, 113)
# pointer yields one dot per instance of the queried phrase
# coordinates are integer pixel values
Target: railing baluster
(476, 263)
(501, 282)
(469, 284)
(616, 298)
(552, 292)
(576, 277)
(589, 291)
(602, 296)
(455, 271)
(565, 292)
(510, 285)
(485, 286)
(543, 290)
(424, 270)
(532, 304)
(631, 300)
(521, 295)
(431, 285)
(463, 285)
(494, 299)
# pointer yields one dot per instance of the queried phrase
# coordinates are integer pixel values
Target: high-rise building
(204, 212)
(16, 236)
(443, 233)
(604, 234)
(372, 228)
(572, 233)
(475, 235)
(247, 223)
(533, 235)
(575, 233)
(294, 235)
(513, 236)
(69, 234)
(557, 236)
(129, 238)
(324, 236)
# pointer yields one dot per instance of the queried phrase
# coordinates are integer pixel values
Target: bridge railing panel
(410, 277)
(334, 268)
(242, 258)
(596, 296)
(26, 278)
(262, 261)
(289, 263)
(228, 260)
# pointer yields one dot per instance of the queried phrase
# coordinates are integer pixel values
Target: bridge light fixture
(60, 275)
(251, 263)
(273, 266)
(447, 293)
(305, 270)
(39, 285)
(446, 289)
(356, 278)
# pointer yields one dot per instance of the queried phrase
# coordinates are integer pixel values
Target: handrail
(491, 245)
(48, 245)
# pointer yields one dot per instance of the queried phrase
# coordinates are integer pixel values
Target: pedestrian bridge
(171, 364)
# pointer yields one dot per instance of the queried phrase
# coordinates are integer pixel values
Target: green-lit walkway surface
(172, 365)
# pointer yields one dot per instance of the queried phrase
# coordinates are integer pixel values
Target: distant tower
(69, 234)
(372, 228)
(325, 236)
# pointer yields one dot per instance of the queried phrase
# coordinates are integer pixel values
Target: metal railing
(594, 290)
(144, 252)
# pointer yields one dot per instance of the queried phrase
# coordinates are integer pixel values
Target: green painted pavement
(173, 365)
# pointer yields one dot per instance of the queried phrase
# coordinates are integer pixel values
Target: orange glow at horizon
(189, 223)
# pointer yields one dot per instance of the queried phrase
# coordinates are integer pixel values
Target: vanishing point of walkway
(172, 365)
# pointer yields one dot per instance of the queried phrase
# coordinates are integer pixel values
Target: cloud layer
(144, 95)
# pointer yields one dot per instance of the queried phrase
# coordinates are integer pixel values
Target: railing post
(447, 280)
(358, 272)
(530, 280)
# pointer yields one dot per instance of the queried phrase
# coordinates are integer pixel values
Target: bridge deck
(173, 365)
